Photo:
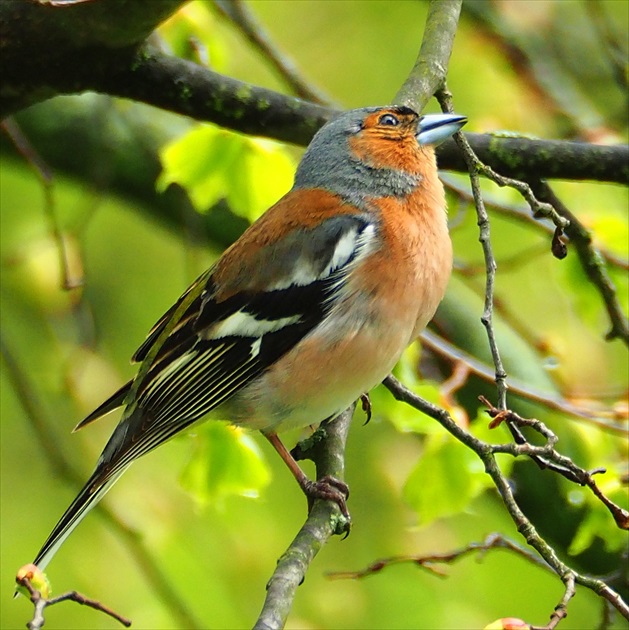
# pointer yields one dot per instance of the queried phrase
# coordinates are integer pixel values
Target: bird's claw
(365, 403)
(328, 488)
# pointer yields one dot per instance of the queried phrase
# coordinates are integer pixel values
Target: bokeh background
(215, 508)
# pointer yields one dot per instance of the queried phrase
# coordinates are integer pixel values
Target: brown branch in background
(445, 99)
(460, 374)
(487, 454)
(237, 12)
(591, 261)
(432, 561)
(45, 175)
(429, 71)
(41, 603)
(521, 214)
(51, 448)
(455, 355)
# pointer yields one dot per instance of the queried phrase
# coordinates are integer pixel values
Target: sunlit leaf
(226, 462)
(447, 477)
(214, 164)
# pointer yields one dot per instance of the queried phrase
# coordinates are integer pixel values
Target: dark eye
(389, 120)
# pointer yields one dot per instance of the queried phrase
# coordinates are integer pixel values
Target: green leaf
(446, 478)
(214, 164)
(449, 475)
(226, 462)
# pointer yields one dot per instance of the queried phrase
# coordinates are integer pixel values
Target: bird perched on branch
(311, 307)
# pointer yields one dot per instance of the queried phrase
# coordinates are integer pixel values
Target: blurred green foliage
(414, 489)
(250, 174)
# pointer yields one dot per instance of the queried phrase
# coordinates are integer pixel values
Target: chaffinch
(311, 307)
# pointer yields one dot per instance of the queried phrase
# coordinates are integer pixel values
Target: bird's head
(365, 147)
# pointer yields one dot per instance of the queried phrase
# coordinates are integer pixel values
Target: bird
(307, 311)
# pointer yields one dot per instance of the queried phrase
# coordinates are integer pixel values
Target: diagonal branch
(429, 71)
(322, 523)
(239, 14)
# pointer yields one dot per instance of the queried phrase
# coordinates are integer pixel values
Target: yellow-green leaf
(226, 462)
(214, 164)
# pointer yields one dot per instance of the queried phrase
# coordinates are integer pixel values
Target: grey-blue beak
(435, 128)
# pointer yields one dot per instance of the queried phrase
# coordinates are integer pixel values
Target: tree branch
(432, 561)
(323, 522)
(429, 71)
(124, 65)
(518, 157)
(40, 603)
(239, 14)
(548, 457)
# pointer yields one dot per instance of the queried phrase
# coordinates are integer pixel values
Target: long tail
(93, 491)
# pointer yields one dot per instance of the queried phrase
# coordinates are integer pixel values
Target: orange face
(388, 140)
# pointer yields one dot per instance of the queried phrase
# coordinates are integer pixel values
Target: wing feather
(218, 346)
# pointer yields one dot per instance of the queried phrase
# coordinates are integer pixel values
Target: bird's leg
(327, 488)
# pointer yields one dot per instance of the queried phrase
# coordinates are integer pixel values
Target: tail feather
(93, 491)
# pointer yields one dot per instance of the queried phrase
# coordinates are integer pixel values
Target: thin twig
(51, 447)
(445, 99)
(493, 541)
(45, 175)
(239, 14)
(548, 457)
(41, 603)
